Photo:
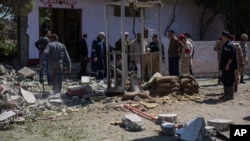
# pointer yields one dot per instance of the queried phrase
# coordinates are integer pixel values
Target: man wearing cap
(83, 51)
(118, 47)
(174, 52)
(228, 65)
(98, 56)
(243, 45)
(186, 56)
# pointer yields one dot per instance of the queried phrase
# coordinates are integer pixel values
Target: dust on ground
(92, 121)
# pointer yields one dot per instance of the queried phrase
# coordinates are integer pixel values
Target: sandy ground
(93, 120)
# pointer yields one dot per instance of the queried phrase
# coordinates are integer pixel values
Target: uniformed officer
(228, 65)
(243, 45)
(218, 47)
(240, 64)
(186, 56)
(56, 53)
(98, 56)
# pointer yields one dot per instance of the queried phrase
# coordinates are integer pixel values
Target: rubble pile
(164, 85)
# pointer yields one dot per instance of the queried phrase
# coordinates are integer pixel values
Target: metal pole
(160, 40)
(107, 45)
(124, 60)
(142, 41)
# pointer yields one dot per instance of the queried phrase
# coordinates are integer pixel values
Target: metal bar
(142, 45)
(160, 40)
(124, 60)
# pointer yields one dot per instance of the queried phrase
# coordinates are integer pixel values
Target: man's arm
(67, 58)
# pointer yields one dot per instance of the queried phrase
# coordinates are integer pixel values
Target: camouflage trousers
(185, 64)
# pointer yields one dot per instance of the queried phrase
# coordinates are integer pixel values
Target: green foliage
(235, 13)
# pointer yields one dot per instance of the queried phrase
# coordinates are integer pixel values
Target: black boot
(230, 95)
(241, 79)
(235, 88)
(219, 81)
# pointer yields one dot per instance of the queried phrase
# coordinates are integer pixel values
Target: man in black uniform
(98, 56)
(83, 51)
(228, 65)
(154, 46)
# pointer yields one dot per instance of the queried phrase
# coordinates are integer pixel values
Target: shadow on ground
(247, 118)
(158, 138)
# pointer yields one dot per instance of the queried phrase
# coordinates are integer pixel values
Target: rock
(6, 115)
(133, 122)
(2, 69)
(168, 129)
(220, 124)
(28, 96)
(27, 72)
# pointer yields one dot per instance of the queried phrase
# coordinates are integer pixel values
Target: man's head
(244, 37)
(85, 36)
(154, 37)
(171, 33)
(46, 32)
(182, 38)
(101, 35)
(138, 36)
(225, 35)
(187, 35)
(53, 37)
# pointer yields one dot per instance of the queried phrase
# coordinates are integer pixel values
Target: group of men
(232, 58)
(52, 55)
(181, 49)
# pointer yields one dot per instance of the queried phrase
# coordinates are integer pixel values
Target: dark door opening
(66, 23)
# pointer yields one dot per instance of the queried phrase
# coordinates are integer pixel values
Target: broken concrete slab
(28, 96)
(6, 115)
(27, 72)
(133, 122)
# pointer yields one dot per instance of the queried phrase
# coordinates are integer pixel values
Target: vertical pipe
(124, 58)
(160, 40)
(142, 45)
(107, 45)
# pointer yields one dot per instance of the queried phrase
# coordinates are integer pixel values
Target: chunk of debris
(28, 96)
(171, 118)
(27, 72)
(168, 128)
(132, 122)
(220, 124)
(6, 115)
(195, 131)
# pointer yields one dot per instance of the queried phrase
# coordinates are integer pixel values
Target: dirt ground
(93, 120)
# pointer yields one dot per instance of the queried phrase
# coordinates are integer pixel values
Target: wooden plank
(6, 115)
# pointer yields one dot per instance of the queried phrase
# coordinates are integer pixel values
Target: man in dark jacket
(56, 53)
(41, 45)
(83, 51)
(228, 65)
(98, 56)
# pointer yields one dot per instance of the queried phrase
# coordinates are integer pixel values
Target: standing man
(240, 65)
(218, 47)
(41, 45)
(154, 46)
(188, 37)
(83, 51)
(174, 52)
(243, 45)
(98, 56)
(186, 56)
(56, 53)
(228, 65)
(136, 51)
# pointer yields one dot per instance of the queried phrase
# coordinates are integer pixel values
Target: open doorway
(66, 23)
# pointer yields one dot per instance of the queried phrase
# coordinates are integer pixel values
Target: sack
(132, 66)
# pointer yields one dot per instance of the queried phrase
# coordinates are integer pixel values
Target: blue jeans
(173, 65)
(46, 68)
